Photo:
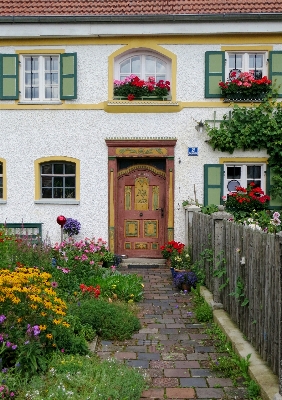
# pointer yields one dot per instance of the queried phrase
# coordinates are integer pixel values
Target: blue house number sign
(193, 151)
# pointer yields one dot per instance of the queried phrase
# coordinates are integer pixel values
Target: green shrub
(77, 378)
(204, 312)
(109, 320)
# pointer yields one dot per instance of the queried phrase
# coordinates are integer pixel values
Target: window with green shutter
(45, 78)
(214, 72)
(275, 70)
(213, 184)
(68, 78)
(9, 77)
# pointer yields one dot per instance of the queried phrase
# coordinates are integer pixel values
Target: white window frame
(245, 61)
(141, 53)
(243, 179)
(42, 85)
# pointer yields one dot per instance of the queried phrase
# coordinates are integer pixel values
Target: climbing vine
(253, 128)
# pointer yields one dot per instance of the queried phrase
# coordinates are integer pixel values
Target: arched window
(144, 65)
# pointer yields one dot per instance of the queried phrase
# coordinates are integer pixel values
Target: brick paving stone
(201, 372)
(153, 393)
(224, 382)
(161, 364)
(148, 330)
(155, 373)
(148, 356)
(209, 393)
(165, 331)
(197, 356)
(204, 349)
(180, 393)
(125, 355)
(187, 364)
(177, 373)
(165, 382)
(199, 336)
(138, 363)
(193, 382)
(173, 356)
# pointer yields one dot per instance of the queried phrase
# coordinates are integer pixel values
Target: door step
(133, 263)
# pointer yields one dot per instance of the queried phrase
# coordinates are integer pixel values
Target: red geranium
(172, 248)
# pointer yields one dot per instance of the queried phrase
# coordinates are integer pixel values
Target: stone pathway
(171, 346)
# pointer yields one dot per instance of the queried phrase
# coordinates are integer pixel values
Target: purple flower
(8, 344)
(14, 347)
(72, 227)
(27, 342)
(2, 318)
(54, 284)
(4, 370)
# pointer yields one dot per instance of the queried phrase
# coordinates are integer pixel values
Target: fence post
(218, 245)
(189, 213)
(278, 396)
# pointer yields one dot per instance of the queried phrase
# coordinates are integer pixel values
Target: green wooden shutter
(68, 76)
(274, 204)
(214, 72)
(275, 70)
(9, 76)
(213, 184)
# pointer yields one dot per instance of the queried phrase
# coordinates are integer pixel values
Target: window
(242, 175)
(43, 78)
(1, 180)
(254, 63)
(219, 65)
(144, 66)
(58, 180)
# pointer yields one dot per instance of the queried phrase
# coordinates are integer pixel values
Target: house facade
(122, 167)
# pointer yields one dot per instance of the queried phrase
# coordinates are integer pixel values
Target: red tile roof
(136, 7)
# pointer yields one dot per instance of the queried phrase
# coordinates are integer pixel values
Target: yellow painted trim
(40, 51)
(37, 195)
(170, 200)
(228, 39)
(146, 45)
(223, 160)
(112, 213)
(246, 48)
(3, 161)
(125, 108)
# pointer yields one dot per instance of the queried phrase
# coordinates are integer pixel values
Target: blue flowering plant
(186, 277)
(72, 227)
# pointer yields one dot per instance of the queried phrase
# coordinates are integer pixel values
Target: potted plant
(134, 88)
(171, 249)
(185, 280)
(243, 86)
(181, 261)
(108, 259)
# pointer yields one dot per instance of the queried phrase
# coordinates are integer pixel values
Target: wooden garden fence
(243, 271)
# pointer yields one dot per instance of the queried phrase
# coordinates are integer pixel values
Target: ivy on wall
(253, 128)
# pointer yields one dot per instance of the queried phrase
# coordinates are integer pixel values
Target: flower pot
(185, 286)
(107, 264)
(172, 272)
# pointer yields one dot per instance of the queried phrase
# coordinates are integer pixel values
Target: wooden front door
(141, 211)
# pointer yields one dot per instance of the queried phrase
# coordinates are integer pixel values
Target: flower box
(144, 98)
(134, 88)
(242, 86)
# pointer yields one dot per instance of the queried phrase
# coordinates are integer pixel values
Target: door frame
(139, 148)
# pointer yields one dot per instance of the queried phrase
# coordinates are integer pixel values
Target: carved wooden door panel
(141, 211)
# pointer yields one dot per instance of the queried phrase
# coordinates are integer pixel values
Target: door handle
(161, 210)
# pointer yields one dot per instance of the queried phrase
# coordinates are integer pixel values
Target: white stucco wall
(27, 135)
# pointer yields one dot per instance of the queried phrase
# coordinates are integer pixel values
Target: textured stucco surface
(32, 134)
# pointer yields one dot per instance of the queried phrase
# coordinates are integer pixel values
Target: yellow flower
(142, 284)
(49, 335)
(33, 306)
(43, 327)
(130, 301)
(114, 286)
(66, 324)
(57, 321)
(19, 320)
(132, 295)
(43, 314)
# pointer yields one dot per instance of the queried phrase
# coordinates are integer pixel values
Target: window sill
(3, 201)
(57, 201)
(40, 102)
(142, 102)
